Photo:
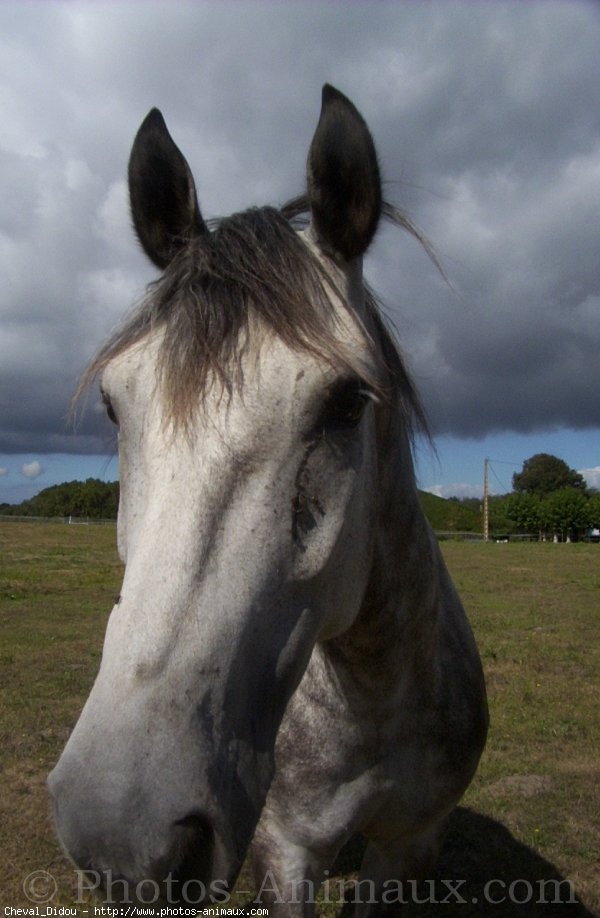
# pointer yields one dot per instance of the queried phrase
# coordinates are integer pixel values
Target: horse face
(245, 540)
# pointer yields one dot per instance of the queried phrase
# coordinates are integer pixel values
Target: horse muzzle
(135, 854)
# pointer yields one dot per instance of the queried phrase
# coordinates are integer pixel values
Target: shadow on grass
(483, 870)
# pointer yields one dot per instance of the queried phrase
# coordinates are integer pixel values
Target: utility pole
(486, 502)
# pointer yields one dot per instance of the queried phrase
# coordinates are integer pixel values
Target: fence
(67, 520)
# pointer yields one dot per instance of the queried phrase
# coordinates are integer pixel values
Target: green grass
(533, 810)
(534, 609)
(57, 585)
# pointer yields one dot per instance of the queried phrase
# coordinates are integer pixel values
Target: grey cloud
(488, 130)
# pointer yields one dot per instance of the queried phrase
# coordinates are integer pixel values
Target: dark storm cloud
(487, 122)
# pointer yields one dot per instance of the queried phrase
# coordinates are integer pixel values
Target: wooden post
(486, 503)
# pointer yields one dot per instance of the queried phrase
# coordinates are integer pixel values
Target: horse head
(247, 391)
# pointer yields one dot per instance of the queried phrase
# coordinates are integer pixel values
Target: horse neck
(396, 628)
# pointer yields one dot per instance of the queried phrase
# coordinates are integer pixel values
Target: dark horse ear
(164, 205)
(344, 186)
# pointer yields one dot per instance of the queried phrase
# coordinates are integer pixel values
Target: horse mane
(252, 265)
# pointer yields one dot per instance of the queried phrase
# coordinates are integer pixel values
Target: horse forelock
(253, 271)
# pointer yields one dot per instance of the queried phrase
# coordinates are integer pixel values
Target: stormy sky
(486, 117)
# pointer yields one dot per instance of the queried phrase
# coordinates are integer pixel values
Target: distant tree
(500, 521)
(92, 498)
(525, 511)
(566, 512)
(543, 474)
(593, 511)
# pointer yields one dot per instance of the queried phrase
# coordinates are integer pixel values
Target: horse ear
(164, 205)
(344, 185)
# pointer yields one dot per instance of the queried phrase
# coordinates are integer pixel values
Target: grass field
(532, 815)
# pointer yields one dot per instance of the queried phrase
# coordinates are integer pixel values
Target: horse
(288, 663)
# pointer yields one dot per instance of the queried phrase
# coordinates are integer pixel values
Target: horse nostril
(199, 825)
(197, 848)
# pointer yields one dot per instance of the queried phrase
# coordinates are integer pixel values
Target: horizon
(102, 468)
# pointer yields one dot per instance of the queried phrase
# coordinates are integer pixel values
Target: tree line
(548, 498)
(91, 499)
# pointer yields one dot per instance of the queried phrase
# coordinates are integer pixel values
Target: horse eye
(109, 408)
(346, 405)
